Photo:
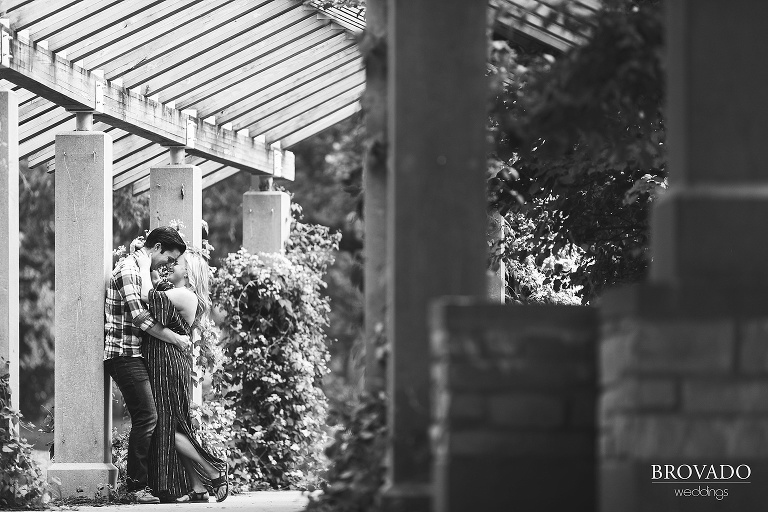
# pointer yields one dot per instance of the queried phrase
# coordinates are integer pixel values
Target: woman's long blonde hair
(198, 276)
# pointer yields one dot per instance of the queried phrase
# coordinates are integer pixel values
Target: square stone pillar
(266, 219)
(176, 194)
(436, 211)
(683, 358)
(83, 216)
(9, 239)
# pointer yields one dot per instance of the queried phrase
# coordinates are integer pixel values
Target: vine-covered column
(436, 209)
(9, 239)
(83, 216)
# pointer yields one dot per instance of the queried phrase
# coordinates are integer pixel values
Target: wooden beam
(137, 166)
(229, 57)
(125, 147)
(97, 19)
(272, 68)
(207, 168)
(182, 34)
(47, 154)
(140, 31)
(46, 138)
(221, 175)
(319, 92)
(303, 79)
(25, 14)
(42, 123)
(91, 12)
(302, 119)
(532, 18)
(78, 47)
(55, 79)
(141, 185)
(34, 108)
(320, 125)
(257, 33)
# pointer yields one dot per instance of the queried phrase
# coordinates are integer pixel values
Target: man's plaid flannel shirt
(125, 316)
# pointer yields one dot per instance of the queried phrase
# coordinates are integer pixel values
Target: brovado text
(700, 472)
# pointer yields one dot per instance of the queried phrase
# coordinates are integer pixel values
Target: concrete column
(266, 217)
(9, 239)
(436, 209)
(83, 217)
(176, 194)
(684, 373)
(375, 191)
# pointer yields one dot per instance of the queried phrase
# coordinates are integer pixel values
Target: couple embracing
(147, 351)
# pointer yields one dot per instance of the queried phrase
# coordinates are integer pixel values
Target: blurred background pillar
(685, 357)
(436, 210)
(375, 190)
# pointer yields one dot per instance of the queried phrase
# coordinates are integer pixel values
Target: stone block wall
(684, 382)
(514, 394)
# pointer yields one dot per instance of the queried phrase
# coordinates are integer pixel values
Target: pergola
(236, 83)
(233, 82)
(172, 96)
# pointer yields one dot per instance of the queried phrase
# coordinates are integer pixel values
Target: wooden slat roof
(228, 78)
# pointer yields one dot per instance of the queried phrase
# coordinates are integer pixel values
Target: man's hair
(168, 238)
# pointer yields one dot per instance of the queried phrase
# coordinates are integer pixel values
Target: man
(126, 318)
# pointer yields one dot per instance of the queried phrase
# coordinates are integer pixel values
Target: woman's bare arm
(184, 301)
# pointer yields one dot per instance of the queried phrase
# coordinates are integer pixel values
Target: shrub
(22, 484)
(275, 359)
(357, 455)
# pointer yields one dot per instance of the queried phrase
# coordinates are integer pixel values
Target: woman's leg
(190, 455)
(192, 459)
(197, 484)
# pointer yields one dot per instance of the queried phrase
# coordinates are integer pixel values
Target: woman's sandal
(221, 481)
(193, 497)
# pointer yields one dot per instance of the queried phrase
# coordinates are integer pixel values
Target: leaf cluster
(357, 455)
(22, 483)
(276, 356)
(579, 144)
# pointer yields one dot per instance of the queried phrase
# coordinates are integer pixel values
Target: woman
(179, 468)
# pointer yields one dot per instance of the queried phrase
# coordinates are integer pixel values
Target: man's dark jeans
(130, 374)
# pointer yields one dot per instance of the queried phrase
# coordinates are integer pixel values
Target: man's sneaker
(145, 496)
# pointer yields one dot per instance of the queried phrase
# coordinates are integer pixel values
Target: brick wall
(684, 381)
(515, 392)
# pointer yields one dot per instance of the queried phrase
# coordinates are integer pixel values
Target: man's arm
(165, 334)
(130, 289)
(128, 284)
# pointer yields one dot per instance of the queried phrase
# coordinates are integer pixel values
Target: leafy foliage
(580, 144)
(357, 455)
(36, 292)
(536, 279)
(120, 458)
(22, 483)
(275, 358)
